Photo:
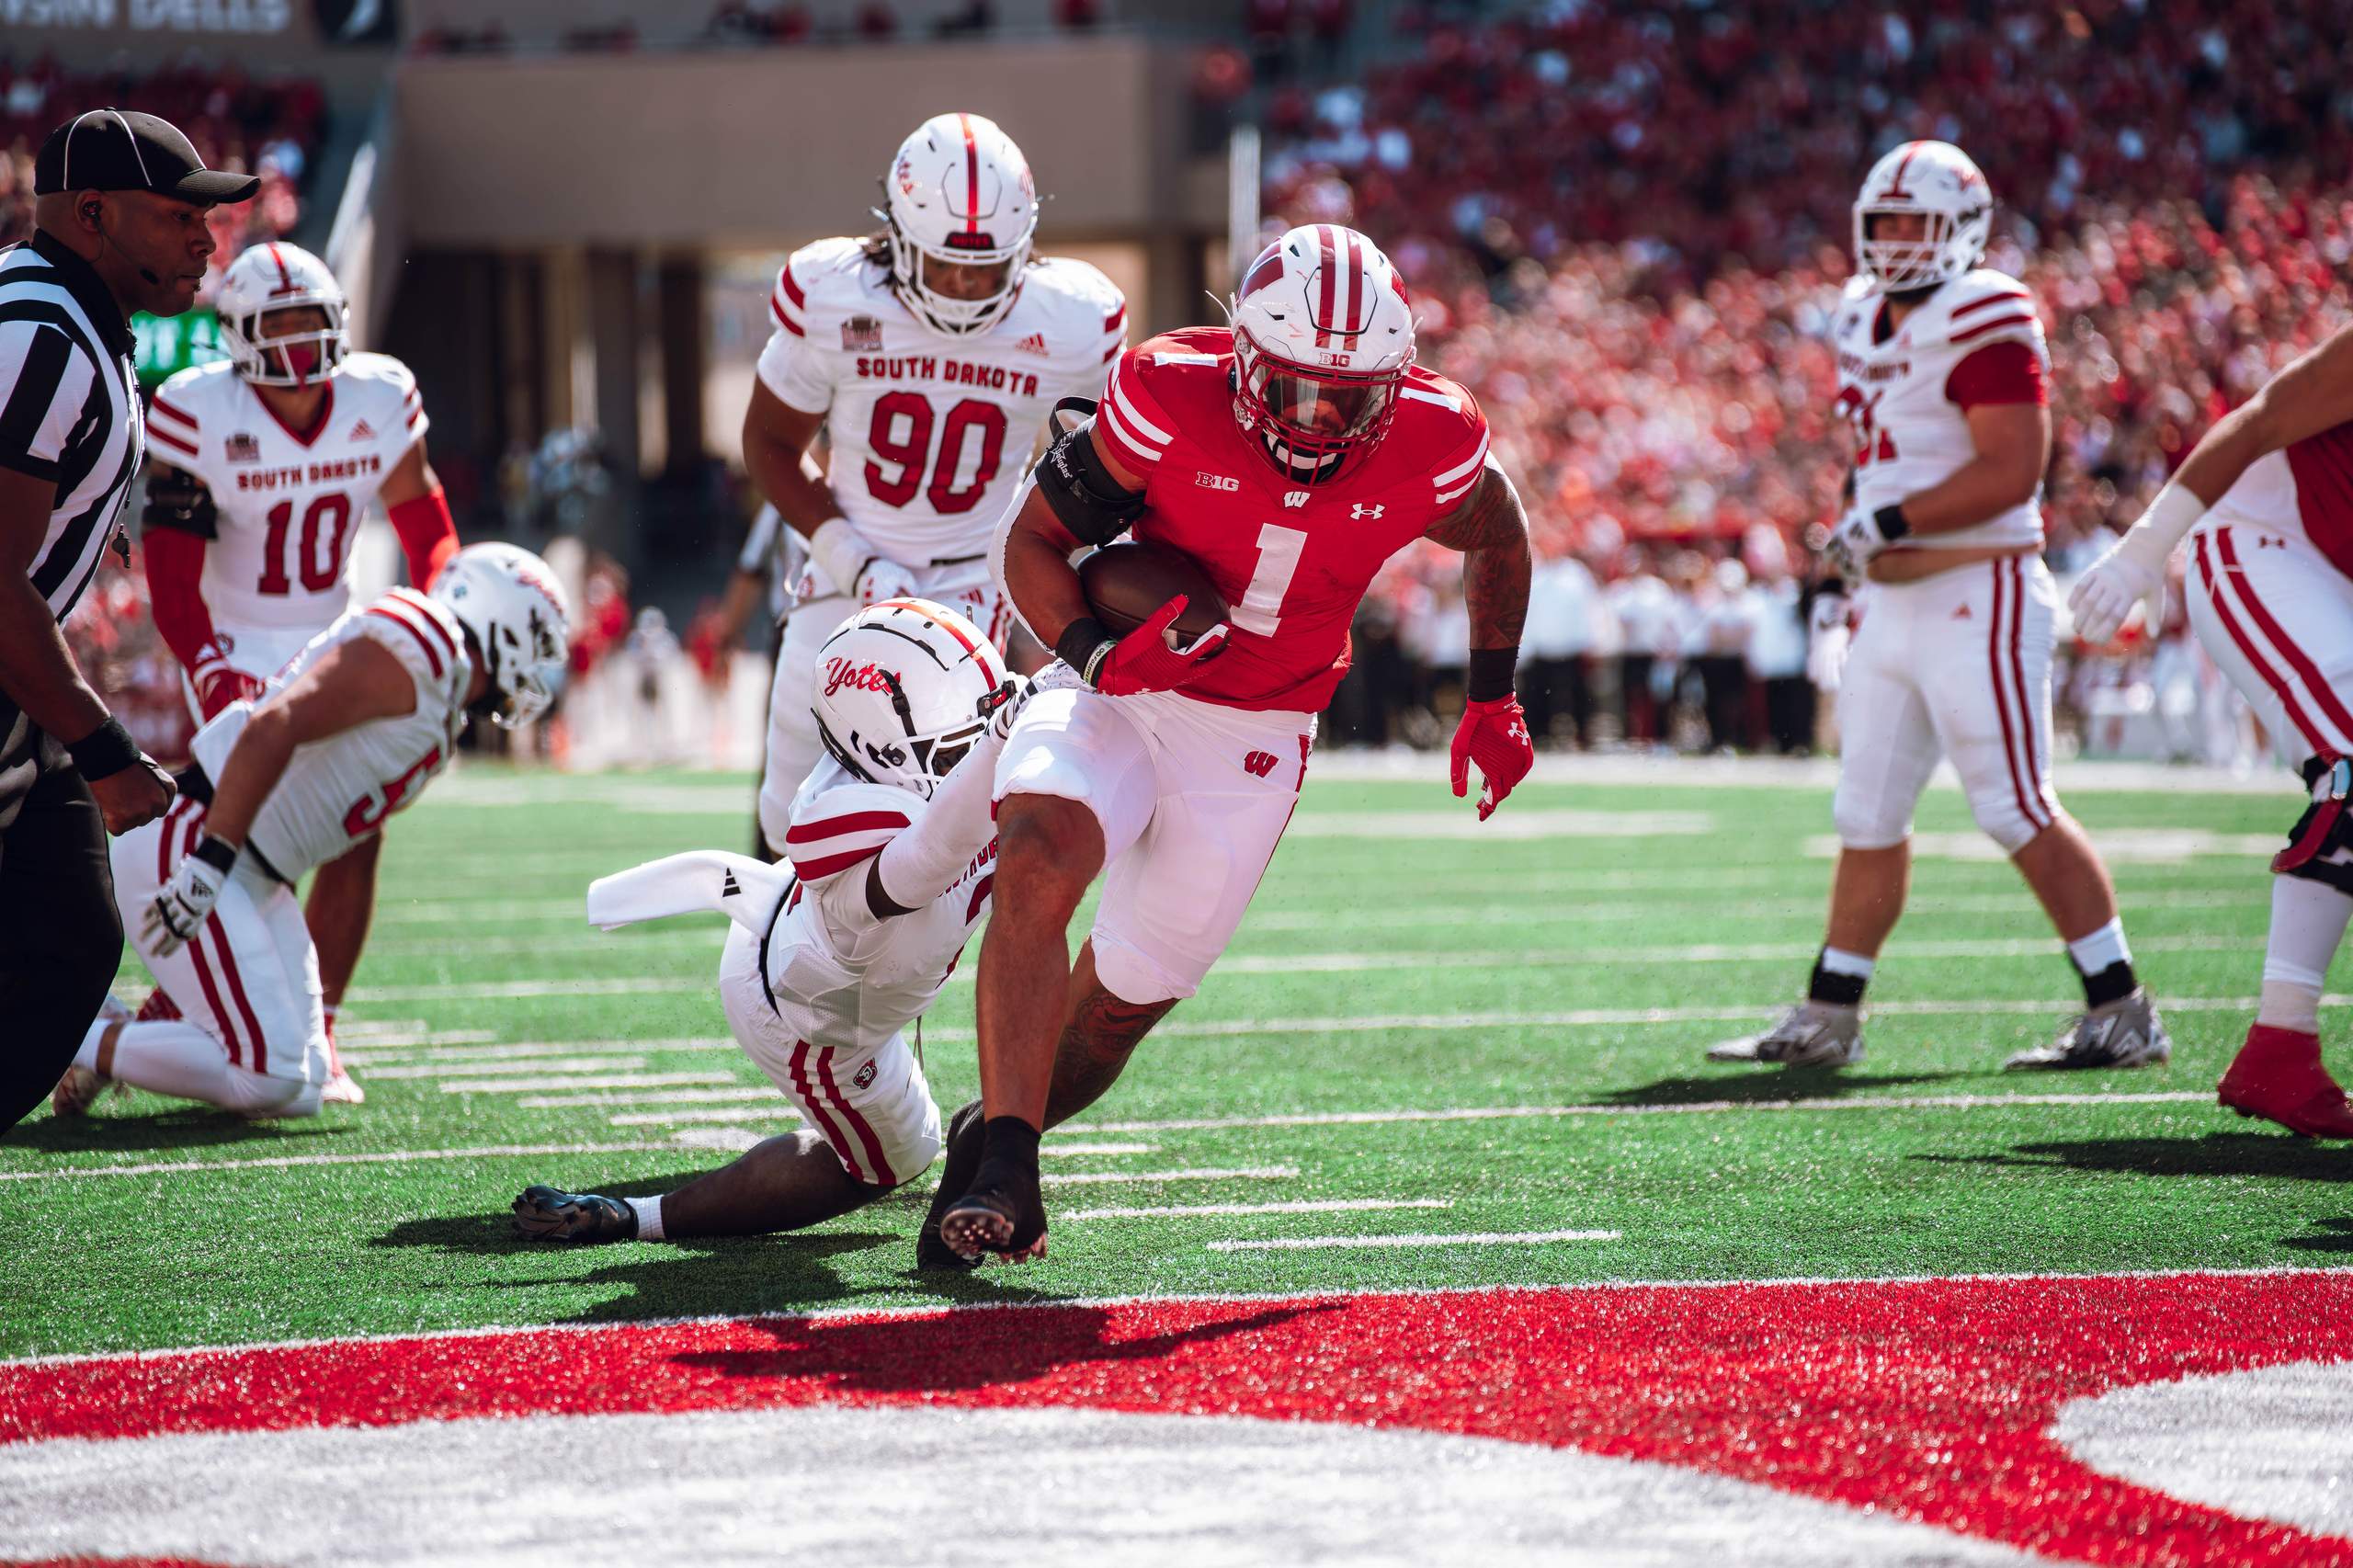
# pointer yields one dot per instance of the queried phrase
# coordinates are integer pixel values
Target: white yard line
(768, 1112)
(516, 990)
(1309, 1206)
(616, 1081)
(1689, 1108)
(280, 1162)
(1474, 1239)
(526, 1049)
(677, 1097)
(597, 1064)
(1113, 1178)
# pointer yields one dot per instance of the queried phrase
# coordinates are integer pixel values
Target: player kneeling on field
(347, 734)
(892, 852)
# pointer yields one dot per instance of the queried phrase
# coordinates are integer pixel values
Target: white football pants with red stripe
(1954, 666)
(793, 748)
(252, 1032)
(2277, 617)
(871, 1106)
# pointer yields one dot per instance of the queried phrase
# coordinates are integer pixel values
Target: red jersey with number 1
(1293, 561)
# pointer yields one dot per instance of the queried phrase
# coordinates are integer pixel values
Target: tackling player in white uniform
(2267, 501)
(1941, 367)
(347, 734)
(261, 466)
(932, 353)
(891, 851)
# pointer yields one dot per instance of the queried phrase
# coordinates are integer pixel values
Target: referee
(119, 203)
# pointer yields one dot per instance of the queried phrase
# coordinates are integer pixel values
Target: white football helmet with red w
(1323, 337)
(904, 689)
(268, 278)
(962, 208)
(1936, 180)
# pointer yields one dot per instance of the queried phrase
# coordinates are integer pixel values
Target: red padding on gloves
(428, 535)
(175, 569)
(1494, 736)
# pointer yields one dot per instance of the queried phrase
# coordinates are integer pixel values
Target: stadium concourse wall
(558, 213)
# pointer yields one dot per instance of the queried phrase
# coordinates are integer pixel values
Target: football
(1124, 583)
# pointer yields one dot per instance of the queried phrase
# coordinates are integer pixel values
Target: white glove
(185, 902)
(1852, 544)
(854, 566)
(2133, 569)
(1827, 638)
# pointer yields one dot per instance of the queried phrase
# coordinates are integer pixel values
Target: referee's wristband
(1083, 646)
(104, 752)
(1890, 522)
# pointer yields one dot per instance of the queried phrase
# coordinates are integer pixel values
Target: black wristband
(105, 751)
(1487, 678)
(1890, 522)
(217, 853)
(1010, 1138)
(1079, 645)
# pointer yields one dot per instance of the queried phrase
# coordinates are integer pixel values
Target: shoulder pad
(1984, 306)
(1087, 315)
(380, 369)
(180, 411)
(819, 282)
(421, 633)
(1858, 289)
(1445, 427)
(836, 829)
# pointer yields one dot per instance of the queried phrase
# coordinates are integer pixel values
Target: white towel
(735, 885)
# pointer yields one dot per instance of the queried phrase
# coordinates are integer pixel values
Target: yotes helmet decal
(1936, 183)
(508, 598)
(961, 209)
(904, 689)
(1323, 337)
(283, 316)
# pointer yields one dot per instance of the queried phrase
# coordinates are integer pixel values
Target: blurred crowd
(270, 129)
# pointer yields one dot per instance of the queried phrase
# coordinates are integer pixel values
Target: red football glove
(1494, 736)
(1142, 660)
(217, 685)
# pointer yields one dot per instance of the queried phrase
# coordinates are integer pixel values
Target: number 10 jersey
(931, 434)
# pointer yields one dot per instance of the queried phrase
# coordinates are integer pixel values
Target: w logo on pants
(1258, 764)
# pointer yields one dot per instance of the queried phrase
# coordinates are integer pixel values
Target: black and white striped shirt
(69, 407)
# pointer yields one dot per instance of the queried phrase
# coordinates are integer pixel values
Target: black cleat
(956, 1173)
(550, 1214)
(1002, 1214)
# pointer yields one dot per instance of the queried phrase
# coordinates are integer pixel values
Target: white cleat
(2125, 1033)
(80, 1088)
(1811, 1034)
(343, 1089)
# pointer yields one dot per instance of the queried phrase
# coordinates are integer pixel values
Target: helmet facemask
(907, 760)
(302, 357)
(1908, 266)
(956, 314)
(1308, 419)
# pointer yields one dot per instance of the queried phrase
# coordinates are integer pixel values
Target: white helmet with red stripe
(905, 688)
(509, 600)
(267, 348)
(960, 207)
(1323, 337)
(1936, 181)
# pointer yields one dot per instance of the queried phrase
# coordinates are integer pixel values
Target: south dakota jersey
(842, 976)
(285, 501)
(1292, 562)
(2304, 490)
(336, 792)
(1908, 390)
(931, 435)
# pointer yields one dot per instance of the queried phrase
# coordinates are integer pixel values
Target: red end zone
(1928, 1399)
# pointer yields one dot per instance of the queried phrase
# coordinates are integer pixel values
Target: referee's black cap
(114, 149)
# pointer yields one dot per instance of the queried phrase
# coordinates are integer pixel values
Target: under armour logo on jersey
(1258, 764)
(1294, 497)
(1358, 509)
(1035, 344)
(363, 431)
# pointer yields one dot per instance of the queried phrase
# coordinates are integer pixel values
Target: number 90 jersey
(931, 434)
(1907, 393)
(286, 502)
(336, 792)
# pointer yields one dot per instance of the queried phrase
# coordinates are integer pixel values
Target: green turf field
(1560, 971)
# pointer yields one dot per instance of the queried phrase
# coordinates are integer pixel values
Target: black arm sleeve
(1088, 502)
(178, 499)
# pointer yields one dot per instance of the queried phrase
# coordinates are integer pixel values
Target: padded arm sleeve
(175, 563)
(1075, 482)
(924, 861)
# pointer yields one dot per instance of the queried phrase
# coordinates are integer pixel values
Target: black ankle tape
(1010, 1138)
(1839, 990)
(2113, 983)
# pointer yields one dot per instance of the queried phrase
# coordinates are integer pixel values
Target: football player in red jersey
(1289, 456)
